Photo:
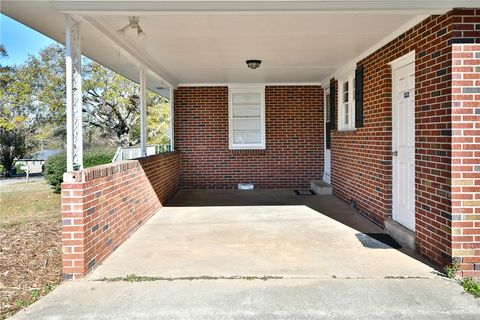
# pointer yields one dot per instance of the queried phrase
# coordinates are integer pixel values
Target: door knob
(395, 153)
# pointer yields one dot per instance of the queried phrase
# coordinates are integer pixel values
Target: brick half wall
(102, 206)
(294, 139)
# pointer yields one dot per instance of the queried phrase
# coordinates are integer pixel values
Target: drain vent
(304, 192)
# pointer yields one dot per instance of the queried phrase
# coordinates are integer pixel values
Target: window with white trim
(246, 117)
(346, 101)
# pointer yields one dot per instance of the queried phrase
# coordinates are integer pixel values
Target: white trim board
(403, 60)
(267, 84)
(155, 7)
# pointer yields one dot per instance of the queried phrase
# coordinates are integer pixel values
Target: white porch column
(172, 128)
(143, 112)
(74, 95)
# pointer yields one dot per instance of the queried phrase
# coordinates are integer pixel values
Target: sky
(20, 41)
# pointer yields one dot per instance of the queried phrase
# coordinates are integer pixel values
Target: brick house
(389, 118)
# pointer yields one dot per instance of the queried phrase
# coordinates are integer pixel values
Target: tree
(32, 101)
(111, 104)
(14, 135)
(158, 119)
(13, 145)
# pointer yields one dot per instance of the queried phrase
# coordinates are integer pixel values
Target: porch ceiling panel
(207, 42)
(293, 47)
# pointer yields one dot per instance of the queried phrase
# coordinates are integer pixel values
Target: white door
(403, 145)
(326, 127)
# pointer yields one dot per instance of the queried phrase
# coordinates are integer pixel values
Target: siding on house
(294, 139)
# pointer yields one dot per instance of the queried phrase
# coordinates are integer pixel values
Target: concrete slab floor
(328, 268)
(243, 299)
(264, 232)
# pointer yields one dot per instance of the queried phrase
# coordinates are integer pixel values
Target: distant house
(36, 162)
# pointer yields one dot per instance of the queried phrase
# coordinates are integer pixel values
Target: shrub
(18, 169)
(56, 165)
(96, 157)
(53, 170)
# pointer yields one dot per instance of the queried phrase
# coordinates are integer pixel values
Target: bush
(56, 165)
(54, 168)
(97, 157)
(18, 169)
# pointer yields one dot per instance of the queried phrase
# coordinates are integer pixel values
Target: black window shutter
(331, 124)
(359, 97)
(328, 135)
(333, 104)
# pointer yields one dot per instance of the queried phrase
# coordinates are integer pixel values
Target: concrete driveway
(262, 255)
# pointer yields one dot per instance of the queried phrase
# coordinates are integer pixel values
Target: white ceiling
(293, 47)
(195, 43)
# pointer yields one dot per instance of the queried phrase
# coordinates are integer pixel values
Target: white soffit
(207, 42)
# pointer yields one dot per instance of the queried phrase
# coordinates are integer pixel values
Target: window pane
(345, 91)
(246, 137)
(345, 113)
(247, 111)
(247, 98)
(246, 124)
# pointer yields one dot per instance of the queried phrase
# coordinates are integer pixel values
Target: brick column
(466, 157)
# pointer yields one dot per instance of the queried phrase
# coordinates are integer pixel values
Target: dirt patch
(30, 263)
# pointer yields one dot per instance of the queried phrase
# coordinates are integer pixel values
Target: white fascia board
(352, 64)
(240, 84)
(146, 7)
(130, 51)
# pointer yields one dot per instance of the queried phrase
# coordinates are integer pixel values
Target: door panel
(403, 146)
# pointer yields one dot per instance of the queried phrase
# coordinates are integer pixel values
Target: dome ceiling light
(253, 64)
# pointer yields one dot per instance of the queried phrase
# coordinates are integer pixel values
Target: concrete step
(401, 234)
(320, 187)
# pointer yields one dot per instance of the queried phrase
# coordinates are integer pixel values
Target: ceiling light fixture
(133, 23)
(253, 64)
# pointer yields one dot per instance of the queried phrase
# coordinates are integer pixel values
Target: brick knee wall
(362, 161)
(294, 139)
(466, 153)
(102, 206)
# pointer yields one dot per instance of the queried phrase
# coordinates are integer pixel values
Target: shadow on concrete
(372, 234)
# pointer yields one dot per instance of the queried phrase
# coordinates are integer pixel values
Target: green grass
(35, 295)
(27, 201)
(452, 269)
(135, 278)
(471, 286)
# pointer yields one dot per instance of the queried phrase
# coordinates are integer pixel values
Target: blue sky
(20, 41)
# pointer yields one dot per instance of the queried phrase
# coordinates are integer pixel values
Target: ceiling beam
(140, 58)
(345, 6)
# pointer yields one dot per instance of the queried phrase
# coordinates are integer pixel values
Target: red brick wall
(102, 206)
(361, 159)
(466, 149)
(294, 139)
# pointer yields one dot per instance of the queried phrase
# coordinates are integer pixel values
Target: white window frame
(346, 107)
(246, 89)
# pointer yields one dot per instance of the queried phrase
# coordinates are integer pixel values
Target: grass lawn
(26, 202)
(30, 244)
